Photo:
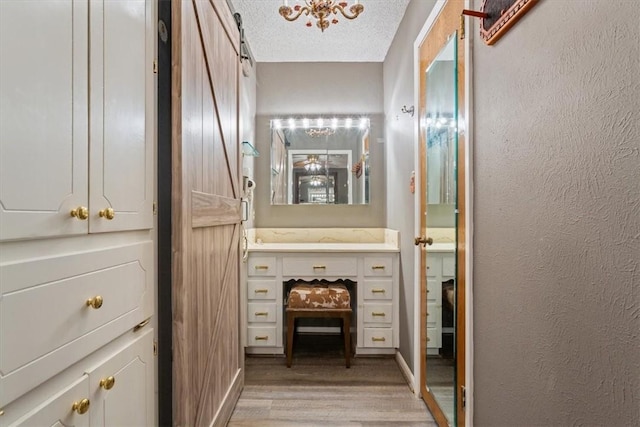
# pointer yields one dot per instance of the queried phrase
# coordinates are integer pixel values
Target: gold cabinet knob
(81, 407)
(107, 213)
(80, 212)
(107, 383)
(95, 302)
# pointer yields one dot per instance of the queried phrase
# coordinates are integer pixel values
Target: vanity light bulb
(305, 123)
(277, 124)
(438, 125)
(320, 123)
(292, 124)
(363, 123)
(347, 122)
(334, 123)
(429, 121)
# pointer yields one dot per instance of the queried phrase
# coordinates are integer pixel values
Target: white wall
(557, 218)
(296, 89)
(398, 91)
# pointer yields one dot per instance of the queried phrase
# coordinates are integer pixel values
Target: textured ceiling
(365, 39)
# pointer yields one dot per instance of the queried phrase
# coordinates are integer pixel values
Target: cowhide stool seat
(307, 300)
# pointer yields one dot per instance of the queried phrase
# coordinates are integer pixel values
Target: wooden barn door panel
(207, 374)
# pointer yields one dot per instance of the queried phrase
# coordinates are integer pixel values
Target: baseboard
(229, 402)
(406, 371)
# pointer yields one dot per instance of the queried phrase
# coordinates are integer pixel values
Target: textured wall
(557, 218)
(398, 91)
(297, 89)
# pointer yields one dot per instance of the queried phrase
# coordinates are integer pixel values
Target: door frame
(465, 222)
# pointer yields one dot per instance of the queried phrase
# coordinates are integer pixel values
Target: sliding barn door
(207, 359)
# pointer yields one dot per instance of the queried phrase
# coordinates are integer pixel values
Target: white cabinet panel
(122, 115)
(43, 118)
(122, 387)
(378, 266)
(319, 266)
(261, 266)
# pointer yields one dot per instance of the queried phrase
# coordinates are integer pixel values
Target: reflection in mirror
(441, 157)
(320, 161)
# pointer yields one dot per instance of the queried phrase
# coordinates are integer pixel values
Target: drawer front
(261, 312)
(261, 289)
(378, 266)
(318, 266)
(434, 338)
(378, 313)
(434, 316)
(378, 289)
(261, 266)
(448, 265)
(47, 321)
(378, 337)
(434, 264)
(434, 290)
(56, 410)
(261, 336)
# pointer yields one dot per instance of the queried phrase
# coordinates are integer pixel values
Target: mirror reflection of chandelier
(322, 11)
(314, 132)
(315, 181)
(312, 165)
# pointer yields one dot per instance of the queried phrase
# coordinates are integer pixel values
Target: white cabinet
(77, 135)
(440, 268)
(376, 316)
(114, 387)
(76, 128)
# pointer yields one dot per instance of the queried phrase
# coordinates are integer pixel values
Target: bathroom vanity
(368, 256)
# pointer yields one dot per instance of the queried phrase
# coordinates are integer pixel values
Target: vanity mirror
(320, 161)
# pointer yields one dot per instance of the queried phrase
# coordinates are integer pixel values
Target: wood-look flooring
(319, 391)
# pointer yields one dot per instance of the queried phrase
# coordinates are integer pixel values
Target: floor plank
(319, 391)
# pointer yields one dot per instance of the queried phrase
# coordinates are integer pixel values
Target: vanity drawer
(378, 313)
(261, 289)
(434, 316)
(261, 266)
(261, 336)
(378, 289)
(448, 265)
(378, 266)
(434, 336)
(319, 266)
(434, 265)
(378, 337)
(261, 312)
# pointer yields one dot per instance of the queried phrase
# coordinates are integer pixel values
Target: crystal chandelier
(322, 11)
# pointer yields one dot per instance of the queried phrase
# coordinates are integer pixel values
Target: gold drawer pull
(380, 339)
(261, 267)
(262, 338)
(80, 212)
(261, 291)
(319, 267)
(378, 291)
(378, 313)
(81, 407)
(261, 313)
(107, 213)
(95, 302)
(107, 383)
(377, 267)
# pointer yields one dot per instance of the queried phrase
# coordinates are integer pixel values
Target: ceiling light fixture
(322, 11)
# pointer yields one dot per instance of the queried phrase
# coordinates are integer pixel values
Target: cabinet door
(123, 386)
(122, 115)
(43, 118)
(61, 409)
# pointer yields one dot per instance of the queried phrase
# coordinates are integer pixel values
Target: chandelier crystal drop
(322, 11)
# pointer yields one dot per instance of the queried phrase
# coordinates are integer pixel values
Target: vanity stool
(330, 300)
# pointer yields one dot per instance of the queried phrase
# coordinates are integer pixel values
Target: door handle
(423, 240)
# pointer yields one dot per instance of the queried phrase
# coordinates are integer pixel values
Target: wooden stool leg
(346, 326)
(291, 324)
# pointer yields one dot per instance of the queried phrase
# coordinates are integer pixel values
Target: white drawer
(378, 313)
(261, 312)
(261, 266)
(45, 322)
(378, 289)
(378, 337)
(261, 336)
(378, 266)
(434, 315)
(449, 265)
(261, 289)
(434, 264)
(318, 266)
(434, 290)
(434, 338)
